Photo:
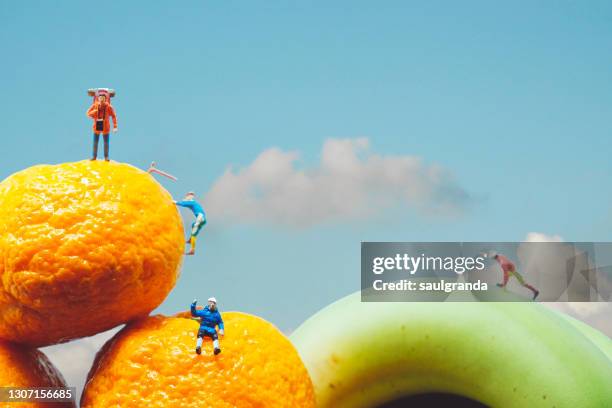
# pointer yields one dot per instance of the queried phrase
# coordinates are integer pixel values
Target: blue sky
(513, 99)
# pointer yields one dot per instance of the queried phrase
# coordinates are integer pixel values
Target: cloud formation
(541, 237)
(595, 314)
(349, 182)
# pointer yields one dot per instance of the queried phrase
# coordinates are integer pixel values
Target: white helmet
(212, 299)
(492, 254)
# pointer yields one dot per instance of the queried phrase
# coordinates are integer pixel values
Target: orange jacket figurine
(101, 111)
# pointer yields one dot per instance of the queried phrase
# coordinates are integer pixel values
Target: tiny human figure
(200, 220)
(210, 319)
(510, 270)
(101, 111)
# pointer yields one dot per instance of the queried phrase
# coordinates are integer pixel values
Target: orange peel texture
(152, 363)
(84, 247)
(25, 367)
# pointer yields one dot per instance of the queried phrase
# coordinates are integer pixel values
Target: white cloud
(588, 309)
(540, 237)
(595, 314)
(559, 269)
(74, 359)
(350, 182)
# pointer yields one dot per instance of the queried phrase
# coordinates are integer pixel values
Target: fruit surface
(152, 363)
(598, 338)
(500, 354)
(25, 367)
(84, 247)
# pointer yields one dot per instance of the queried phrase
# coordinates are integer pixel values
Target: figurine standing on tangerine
(101, 111)
(210, 318)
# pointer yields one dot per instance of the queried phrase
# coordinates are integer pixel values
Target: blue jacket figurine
(210, 318)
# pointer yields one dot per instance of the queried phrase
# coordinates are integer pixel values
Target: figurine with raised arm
(210, 318)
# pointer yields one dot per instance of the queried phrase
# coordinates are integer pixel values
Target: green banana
(500, 354)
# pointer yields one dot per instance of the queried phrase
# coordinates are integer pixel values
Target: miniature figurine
(510, 270)
(100, 111)
(190, 202)
(210, 318)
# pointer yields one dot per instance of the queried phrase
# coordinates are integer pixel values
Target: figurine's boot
(199, 346)
(216, 345)
(534, 290)
(192, 242)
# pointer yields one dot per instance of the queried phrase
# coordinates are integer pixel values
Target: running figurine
(510, 270)
(190, 202)
(210, 318)
(101, 111)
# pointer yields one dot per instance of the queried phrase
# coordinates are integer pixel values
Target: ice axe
(153, 169)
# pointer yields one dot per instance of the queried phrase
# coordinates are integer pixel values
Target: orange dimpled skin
(84, 247)
(152, 363)
(24, 367)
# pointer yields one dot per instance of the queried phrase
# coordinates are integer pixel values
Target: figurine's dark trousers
(207, 332)
(96, 139)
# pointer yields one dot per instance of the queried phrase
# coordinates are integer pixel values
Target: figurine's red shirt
(505, 263)
(105, 112)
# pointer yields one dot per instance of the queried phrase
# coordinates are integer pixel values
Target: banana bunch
(500, 354)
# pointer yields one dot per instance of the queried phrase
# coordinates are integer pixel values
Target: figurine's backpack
(95, 92)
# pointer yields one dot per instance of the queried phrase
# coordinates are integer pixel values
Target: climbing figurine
(210, 318)
(510, 270)
(190, 202)
(101, 111)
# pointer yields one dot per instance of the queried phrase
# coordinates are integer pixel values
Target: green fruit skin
(598, 338)
(501, 354)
